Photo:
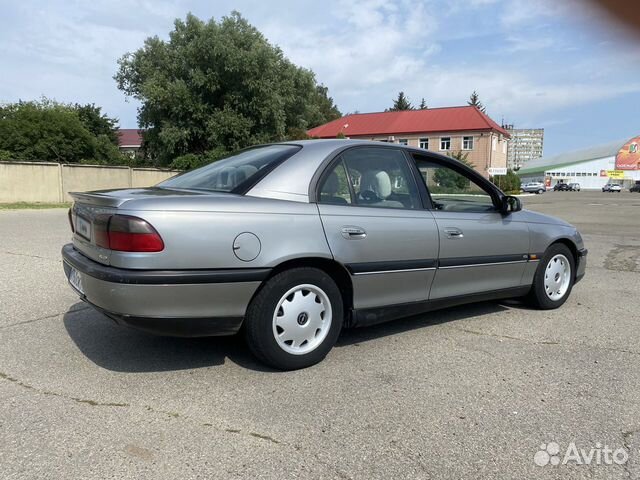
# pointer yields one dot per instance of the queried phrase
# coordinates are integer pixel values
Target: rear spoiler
(97, 198)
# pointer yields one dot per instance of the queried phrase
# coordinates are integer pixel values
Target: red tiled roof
(446, 119)
(129, 137)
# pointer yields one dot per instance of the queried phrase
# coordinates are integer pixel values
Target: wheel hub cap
(557, 277)
(302, 319)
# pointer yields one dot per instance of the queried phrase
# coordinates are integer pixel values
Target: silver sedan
(291, 242)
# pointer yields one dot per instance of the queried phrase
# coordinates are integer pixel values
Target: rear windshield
(235, 173)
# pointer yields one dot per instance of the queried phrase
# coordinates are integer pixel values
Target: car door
(376, 225)
(481, 249)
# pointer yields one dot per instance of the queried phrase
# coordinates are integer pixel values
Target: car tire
(554, 278)
(302, 303)
(540, 191)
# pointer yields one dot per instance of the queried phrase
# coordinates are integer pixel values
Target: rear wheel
(540, 191)
(554, 277)
(295, 319)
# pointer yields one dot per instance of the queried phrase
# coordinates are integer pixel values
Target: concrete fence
(52, 182)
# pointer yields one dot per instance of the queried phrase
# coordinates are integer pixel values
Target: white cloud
(526, 58)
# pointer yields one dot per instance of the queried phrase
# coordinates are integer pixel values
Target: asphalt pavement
(479, 391)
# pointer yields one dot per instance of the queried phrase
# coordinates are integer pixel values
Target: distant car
(574, 187)
(635, 188)
(612, 187)
(561, 187)
(533, 187)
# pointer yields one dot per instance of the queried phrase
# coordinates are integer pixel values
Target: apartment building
(524, 145)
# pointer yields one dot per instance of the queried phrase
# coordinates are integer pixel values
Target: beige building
(442, 130)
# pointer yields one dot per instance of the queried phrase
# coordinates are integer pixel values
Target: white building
(615, 162)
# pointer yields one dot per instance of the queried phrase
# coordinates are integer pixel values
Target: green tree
(474, 101)
(96, 122)
(423, 104)
(218, 86)
(449, 181)
(46, 130)
(400, 103)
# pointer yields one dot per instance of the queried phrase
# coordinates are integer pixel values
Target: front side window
(377, 177)
(452, 190)
(445, 143)
(467, 143)
(232, 173)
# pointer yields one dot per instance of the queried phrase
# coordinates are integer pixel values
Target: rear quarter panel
(200, 233)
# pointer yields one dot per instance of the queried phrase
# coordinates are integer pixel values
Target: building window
(467, 143)
(424, 143)
(504, 146)
(403, 141)
(445, 143)
(494, 143)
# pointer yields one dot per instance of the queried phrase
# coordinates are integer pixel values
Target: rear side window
(335, 187)
(236, 173)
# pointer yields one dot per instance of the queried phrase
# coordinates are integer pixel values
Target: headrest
(378, 181)
(226, 177)
(243, 172)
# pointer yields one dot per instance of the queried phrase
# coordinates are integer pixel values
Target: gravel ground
(468, 392)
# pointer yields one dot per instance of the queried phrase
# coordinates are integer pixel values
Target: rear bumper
(581, 264)
(168, 302)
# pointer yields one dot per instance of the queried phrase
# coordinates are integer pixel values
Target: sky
(556, 65)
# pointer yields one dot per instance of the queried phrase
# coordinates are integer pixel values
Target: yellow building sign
(616, 174)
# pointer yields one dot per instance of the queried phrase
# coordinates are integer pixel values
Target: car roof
(291, 179)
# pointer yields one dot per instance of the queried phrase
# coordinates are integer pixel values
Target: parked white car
(612, 187)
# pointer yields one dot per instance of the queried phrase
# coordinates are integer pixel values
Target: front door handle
(353, 233)
(453, 233)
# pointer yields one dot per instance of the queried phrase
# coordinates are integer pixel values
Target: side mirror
(511, 204)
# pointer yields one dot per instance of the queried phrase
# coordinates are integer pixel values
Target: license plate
(83, 227)
(76, 280)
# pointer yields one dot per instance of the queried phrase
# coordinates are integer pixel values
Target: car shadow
(122, 349)
(464, 312)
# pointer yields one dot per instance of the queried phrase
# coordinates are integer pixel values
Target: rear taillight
(73, 230)
(126, 234)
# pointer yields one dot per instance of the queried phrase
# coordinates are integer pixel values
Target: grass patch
(32, 205)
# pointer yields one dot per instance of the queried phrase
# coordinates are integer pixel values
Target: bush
(509, 183)
(46, 130)
(192, 160)
(188, 162)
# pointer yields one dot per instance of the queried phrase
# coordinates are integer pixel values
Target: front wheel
(295, 319)
(554, 277)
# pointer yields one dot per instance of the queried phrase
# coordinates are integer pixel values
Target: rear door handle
(453, 232)
(353, 233)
